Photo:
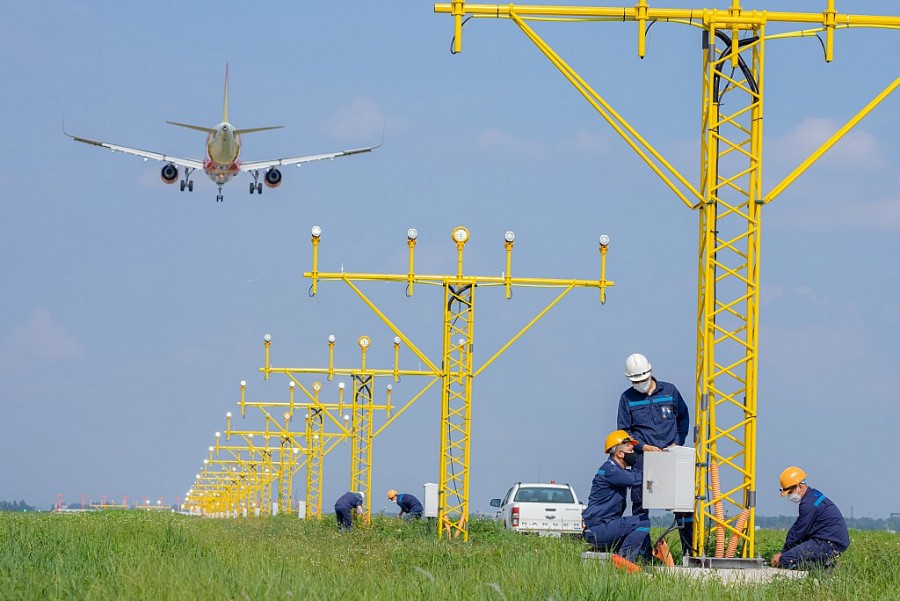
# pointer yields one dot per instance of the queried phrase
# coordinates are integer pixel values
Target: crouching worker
(605, 527)
(819, 535)
(344, 507)
(410, 507)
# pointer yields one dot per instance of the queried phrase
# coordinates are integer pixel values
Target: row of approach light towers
(728, 199)
(327, 425)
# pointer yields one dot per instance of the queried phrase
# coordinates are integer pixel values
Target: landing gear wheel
(219, 198)
(252, 187)
(182, 185)
(191, 186)
(259, 188)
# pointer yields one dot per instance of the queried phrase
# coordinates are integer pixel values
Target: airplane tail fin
(207, 130)
(225, 105)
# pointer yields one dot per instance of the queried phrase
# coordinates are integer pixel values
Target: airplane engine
(273, 178)
(169, 173)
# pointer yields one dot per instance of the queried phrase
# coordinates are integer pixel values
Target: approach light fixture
(316, 231)
(218, 434)
(460, 235)
(331, 338)
(509, 236)
(317, 386)
(243, 383)
(341, 385)
(267, 338)
(364, 342)
(604, 240)
(396, 340)
(412, 233)
(228, 414)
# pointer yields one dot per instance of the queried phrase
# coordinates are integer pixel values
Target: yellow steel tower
(456, 370)
(729, 200)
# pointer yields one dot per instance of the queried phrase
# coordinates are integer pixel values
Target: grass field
(138, 555)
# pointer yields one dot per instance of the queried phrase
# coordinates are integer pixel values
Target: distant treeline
(784, 522)
(16, 506)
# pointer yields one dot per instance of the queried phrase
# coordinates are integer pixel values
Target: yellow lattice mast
(729, 200)
(456, 370)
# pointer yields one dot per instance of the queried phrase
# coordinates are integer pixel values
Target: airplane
(223, 148)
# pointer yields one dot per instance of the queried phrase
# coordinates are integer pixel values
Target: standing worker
(410, 507)
(344, 507)
(819, 535)
(654, 413)
(605, 527)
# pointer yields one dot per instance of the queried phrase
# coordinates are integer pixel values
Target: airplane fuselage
(223, 147)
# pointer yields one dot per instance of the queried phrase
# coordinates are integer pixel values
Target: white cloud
(881, 214)
(41, 337)
(856, 150)
(361, 117)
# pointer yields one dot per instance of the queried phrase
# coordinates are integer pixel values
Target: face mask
(794, 497)
(630, 459)
(642, 387)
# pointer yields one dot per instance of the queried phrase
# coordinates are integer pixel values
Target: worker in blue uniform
(410, 507)
(606, 527)
(819, 535)
(344, 507)
(656, 415)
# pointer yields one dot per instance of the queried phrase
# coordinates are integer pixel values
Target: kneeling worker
(410, 507)
(605, 527)
(819, 535)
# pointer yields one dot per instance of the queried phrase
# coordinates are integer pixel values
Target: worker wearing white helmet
(654, 413)
(343, 509)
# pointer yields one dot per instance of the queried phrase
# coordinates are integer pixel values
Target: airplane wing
(253, 165)
(144, 154)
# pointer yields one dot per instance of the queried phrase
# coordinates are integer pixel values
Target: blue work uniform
(410, 507)
(818, 536)
(344, 508)
(605, 528)
(660, 419)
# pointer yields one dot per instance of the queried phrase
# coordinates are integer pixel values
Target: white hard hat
(637, 367)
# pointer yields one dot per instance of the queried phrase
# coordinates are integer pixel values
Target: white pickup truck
(547, 509)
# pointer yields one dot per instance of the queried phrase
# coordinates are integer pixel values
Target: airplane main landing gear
(220, 198)
(255, 185)
(187, 182)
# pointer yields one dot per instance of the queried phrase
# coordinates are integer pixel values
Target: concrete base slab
(732, 575)
(724, 575)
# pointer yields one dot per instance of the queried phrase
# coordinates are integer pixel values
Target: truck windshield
(539, 494)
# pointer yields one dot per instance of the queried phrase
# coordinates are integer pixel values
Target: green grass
(138, 555)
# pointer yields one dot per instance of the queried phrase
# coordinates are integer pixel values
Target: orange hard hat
(790, 478)
(616, 438)
(391, 494)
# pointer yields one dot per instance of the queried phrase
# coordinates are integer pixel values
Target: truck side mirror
(495, 502)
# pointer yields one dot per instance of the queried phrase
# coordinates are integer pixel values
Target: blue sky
(131, 311)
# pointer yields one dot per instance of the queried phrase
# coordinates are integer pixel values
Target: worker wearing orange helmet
(819, 535)
(606, 527)
(410, 507)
